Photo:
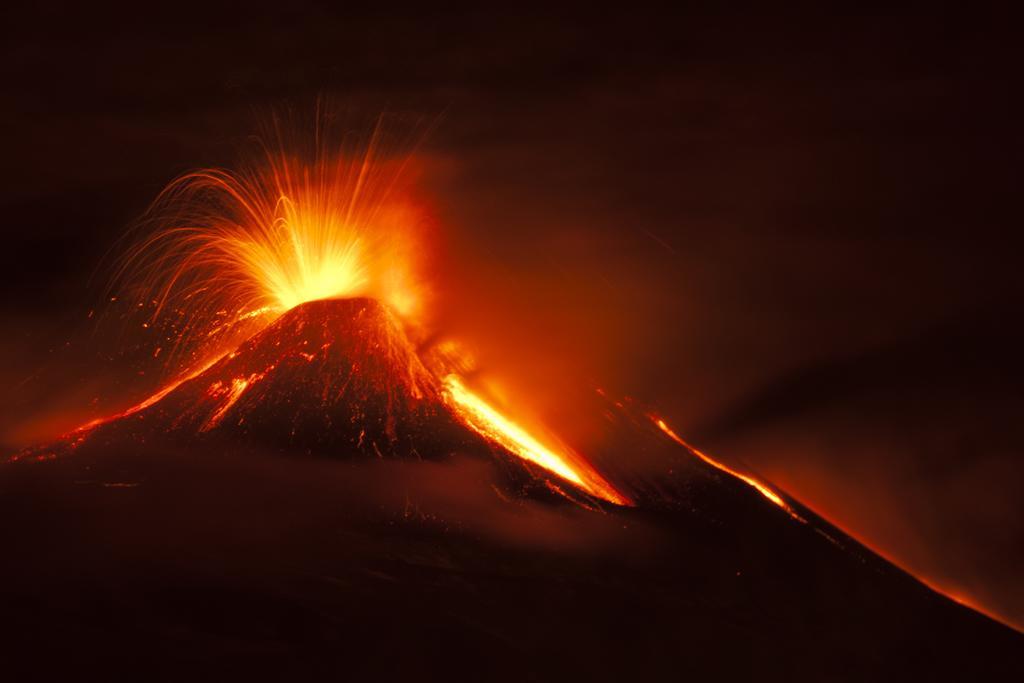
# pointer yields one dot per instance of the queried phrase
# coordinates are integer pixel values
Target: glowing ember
(747, 479)
(493, 425)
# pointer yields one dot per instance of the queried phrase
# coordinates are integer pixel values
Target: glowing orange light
(491, 424)
(747, 479)
(233, 250)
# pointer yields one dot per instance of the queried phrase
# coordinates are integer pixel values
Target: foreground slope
(176, 543)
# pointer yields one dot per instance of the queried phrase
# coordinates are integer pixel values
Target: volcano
(336, 378)
(429, 539)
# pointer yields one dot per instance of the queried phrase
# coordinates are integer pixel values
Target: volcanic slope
(174, 541)
(334, 377)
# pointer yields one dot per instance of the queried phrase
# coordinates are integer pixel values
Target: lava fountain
(229, 251)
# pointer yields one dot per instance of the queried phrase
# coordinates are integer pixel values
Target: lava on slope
(339, 378)
(450, 524)
(333, 377)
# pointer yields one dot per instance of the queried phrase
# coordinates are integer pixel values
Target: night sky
(795, 234)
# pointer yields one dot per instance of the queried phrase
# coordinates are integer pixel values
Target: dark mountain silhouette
(176, 543)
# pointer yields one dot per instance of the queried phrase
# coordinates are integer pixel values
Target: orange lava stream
(777, 500)
(233, 393)
(149, 401)
(491, 424)
(82, 430)
(745, 478)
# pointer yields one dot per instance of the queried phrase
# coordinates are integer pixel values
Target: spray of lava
(223, 253)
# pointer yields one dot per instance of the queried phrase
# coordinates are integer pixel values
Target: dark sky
(795, 233)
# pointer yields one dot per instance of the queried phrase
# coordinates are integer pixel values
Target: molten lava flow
(747, 479)
(491, 424)
(78, 434)
(230, 395)
(151, 400)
